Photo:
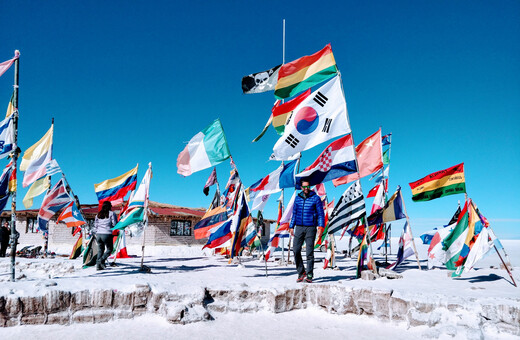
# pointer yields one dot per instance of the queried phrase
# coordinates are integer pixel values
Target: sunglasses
(306, 186)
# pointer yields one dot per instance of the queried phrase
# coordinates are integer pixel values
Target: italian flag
(446, 182)
(304, 73)
(206, 149)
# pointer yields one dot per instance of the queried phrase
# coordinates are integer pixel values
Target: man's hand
(291, 231)
(320, 232)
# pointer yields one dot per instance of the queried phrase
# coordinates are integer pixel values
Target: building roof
(90, 210)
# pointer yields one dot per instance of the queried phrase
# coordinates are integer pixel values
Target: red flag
(369, 157)
(373, 191)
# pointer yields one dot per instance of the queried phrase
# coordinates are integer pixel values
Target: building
(168, 225)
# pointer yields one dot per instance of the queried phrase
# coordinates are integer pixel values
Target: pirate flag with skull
(261, 81)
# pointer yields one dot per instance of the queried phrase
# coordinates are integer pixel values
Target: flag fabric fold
(212, 179)
(350, 208)
(335, 161)
(305, 72)
(4, 66)
(53, 168)
(71, 216)
(10, 107)
(261, 81)
(405, 249)
(4, 186)
(37, 188)
(392, 211)
(6, 136)
(212, 219)
(282, 111)
(207, 148)
(317, 119)
(56, 199)
(35, 158)
(115, 189)
(369, 153)
(445, 182)
(137, 204)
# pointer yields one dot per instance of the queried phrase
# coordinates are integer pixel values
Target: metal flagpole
(411, 234)
(356, 159)
(14, 238)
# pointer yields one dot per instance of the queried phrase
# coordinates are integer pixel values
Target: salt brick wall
(157, 234)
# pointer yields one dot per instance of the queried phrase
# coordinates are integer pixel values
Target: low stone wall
(441, 315)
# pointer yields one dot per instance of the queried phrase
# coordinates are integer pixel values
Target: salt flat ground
(187, 269)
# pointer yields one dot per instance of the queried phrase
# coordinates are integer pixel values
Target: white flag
(320, 117)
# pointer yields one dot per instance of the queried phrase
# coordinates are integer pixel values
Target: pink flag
(6, 64)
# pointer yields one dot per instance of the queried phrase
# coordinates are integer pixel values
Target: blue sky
(132, 82)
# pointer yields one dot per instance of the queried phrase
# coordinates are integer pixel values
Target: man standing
(307, 215)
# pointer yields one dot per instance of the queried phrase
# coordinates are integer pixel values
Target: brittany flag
(71, 216)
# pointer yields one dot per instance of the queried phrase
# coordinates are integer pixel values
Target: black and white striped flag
(350, 207)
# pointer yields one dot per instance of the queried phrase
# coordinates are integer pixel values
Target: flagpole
(14, 238)
(76, 199)
(386, 195)
(147, 198)
(411, 234)
(500, 256)
(356, 159)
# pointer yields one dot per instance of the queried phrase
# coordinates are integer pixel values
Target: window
(180, 228)
(32, 225)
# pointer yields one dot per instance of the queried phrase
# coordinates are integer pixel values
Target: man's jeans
(307, 234)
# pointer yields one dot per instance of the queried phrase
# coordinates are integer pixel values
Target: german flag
(302, 74)
(446, 182)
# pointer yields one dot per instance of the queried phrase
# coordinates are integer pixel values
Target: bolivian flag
(446, 182)
(304, 73)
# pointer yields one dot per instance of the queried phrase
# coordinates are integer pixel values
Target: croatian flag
(337, 160)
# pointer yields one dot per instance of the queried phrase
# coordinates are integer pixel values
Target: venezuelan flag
(115, 189)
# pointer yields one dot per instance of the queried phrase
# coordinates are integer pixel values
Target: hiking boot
(301, 277)
(308, 279)
(99, 267)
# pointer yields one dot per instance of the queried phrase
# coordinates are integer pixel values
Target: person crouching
(307, 215)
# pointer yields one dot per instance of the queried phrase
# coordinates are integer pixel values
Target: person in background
(103, 224)
(307, 215)
(5, 234)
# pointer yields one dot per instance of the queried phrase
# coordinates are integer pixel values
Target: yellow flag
(36, 151)
(37, 188)
(10, 107)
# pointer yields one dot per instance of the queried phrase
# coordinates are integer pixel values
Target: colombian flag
(115, 189)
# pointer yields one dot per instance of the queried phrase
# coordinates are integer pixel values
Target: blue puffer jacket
(308, 211)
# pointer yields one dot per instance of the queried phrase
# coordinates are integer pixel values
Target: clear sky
(132, 81)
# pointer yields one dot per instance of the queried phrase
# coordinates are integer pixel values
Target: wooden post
(14, 238)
